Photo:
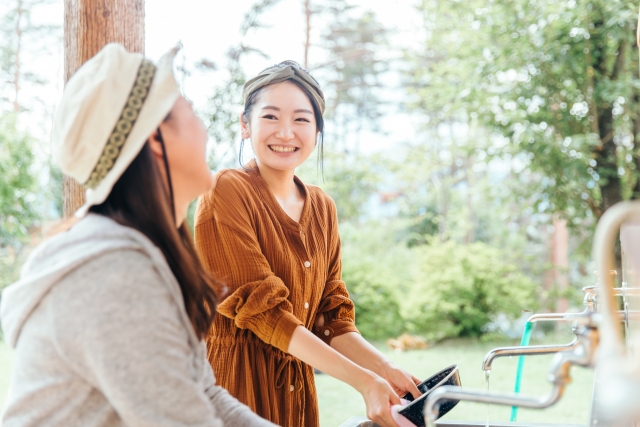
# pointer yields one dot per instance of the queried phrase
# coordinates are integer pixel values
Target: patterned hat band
(125, 123)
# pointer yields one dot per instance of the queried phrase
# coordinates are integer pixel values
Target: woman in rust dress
(274, 241)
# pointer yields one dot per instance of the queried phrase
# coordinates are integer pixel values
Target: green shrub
(377, 308)
(375, 269)
(459, 289)
(19, 183)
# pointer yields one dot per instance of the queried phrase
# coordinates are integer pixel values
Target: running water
(486, 383)
(526, 337)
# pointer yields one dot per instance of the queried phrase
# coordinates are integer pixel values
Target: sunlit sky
(207, 29)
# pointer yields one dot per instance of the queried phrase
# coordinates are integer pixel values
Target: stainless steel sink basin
(364, 422)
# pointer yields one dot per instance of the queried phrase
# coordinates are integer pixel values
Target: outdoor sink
(364, 422)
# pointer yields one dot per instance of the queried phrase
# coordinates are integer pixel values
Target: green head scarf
(281, 72)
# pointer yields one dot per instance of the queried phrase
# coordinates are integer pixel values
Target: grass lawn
(338, 402)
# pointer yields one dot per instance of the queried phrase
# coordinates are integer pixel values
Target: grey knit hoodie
(102, 338)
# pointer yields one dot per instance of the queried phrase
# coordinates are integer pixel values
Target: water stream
(526, 337)
(487, 373)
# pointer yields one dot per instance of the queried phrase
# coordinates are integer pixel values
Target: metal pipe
(525, 351)
(618, 388)
(558, 317)
(541, 317)
(432, 408)
(603, 244)
(581, 354)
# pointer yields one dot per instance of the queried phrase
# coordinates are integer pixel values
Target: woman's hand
(379, 397)
(376, 391)
(400, 380)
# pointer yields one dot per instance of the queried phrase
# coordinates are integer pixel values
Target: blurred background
(470, 146)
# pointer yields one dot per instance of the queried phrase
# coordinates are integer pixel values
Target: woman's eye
(269, 116)
(301, 119)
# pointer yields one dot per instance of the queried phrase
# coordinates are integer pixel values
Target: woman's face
(185, 139)
(282, 127)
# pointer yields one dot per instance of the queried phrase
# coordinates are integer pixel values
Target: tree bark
(607, 162)
(88, 26)
(16, 73)
(560, 259)
(606, 154)
(307, 42)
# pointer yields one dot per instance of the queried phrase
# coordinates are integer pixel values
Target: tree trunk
(307, 42)
(607, 162)
(560, 260)
(606, 155)
(16, 73)
(88, 26)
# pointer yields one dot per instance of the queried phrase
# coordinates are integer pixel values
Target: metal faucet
(617, 370)
(525, 351)
(582, 354)
(589, 302)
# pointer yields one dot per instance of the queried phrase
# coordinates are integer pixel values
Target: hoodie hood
(58, 256)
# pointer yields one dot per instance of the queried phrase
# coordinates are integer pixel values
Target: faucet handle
(586, 320)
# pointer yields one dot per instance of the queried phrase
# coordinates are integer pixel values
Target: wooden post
(88, 26)
(560, 256)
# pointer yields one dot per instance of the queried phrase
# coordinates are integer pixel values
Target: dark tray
(413, 411)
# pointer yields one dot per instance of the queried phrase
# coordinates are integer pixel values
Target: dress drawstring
(290, 371)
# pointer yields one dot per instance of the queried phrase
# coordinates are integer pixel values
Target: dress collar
(268, 197)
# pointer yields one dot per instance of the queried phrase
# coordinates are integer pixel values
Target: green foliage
(19, 198)
(377, 270)
(349, 180)
(377, 306)
(438, 290)
(19, 32)
(11, 261)
(18, 209)
(352, 40)
(558, 80)
(460, 289)
(222, 114)
(222, 117)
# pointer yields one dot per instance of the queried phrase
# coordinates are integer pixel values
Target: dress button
(306, 305)
(307, 264)
(291, 387)
(326, 332)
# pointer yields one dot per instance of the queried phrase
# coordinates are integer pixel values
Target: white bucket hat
(109, 108)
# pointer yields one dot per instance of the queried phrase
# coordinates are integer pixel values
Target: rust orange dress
(279, 274)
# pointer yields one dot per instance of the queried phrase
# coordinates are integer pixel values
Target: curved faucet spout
(525, 351)
(559, 317)
(437, 396)
(581, 354)
(556, 317)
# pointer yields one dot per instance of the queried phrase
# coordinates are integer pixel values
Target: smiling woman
(285, 308)
(282, 135)
(310, 108)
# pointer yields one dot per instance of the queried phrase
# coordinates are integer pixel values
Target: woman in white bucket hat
(108, 318)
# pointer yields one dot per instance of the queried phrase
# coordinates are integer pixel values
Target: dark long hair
(140, 200)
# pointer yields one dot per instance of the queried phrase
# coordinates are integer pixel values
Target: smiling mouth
(281, 149)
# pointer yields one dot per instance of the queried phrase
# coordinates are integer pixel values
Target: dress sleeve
(336, 306)
(256, 298)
